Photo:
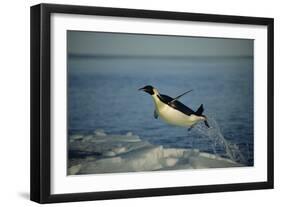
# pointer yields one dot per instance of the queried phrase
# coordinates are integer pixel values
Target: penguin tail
(199, 112)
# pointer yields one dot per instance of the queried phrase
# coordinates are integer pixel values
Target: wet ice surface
(103, 153)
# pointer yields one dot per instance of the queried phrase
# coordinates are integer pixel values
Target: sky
(121, 44)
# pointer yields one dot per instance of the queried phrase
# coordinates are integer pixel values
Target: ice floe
(103, 153)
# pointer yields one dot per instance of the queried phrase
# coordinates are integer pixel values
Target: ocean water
(103, 94)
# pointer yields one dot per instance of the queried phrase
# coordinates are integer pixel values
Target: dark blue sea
(103, 94)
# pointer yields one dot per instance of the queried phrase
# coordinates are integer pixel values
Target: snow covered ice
(103, 153)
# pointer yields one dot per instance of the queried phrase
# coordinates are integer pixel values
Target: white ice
(103, 153)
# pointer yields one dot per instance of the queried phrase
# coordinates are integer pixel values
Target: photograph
(154, 102)
(132, 103)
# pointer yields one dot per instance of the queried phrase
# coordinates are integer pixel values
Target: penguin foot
(189, 129)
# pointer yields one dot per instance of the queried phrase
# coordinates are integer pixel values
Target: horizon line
(122, 56)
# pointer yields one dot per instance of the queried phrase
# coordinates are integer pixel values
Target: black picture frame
(41, 102)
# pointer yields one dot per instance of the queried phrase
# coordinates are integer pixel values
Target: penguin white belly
(175, 117)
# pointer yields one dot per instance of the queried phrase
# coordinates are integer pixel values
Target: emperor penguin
(173, 112)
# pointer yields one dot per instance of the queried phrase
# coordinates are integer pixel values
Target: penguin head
(148, 89)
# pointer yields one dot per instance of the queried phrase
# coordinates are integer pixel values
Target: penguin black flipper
(155, 114)
(180, 95)
(175, 104)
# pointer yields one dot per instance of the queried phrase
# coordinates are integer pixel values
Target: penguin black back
(175, 104)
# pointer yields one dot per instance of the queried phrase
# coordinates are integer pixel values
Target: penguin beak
(143, 89)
